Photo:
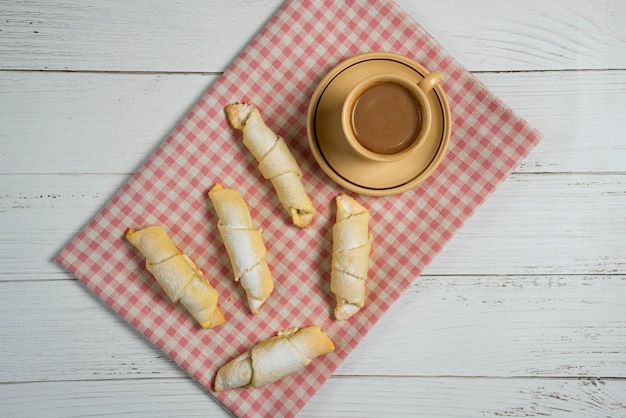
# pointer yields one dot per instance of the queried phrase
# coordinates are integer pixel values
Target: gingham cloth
(278, 72)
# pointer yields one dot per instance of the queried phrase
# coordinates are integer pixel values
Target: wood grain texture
(473, 397)
(196, 36)
(522, 314)
(109, 123)
(576, 219)
(179, 36)
(89, 123)
(565, 326)
(513, 326)
(339, 397)
(581, 114)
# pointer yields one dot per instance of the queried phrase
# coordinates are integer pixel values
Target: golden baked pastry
(177, 275)
(276, 162)
(244, 245)
(269, 360)
(350, 259)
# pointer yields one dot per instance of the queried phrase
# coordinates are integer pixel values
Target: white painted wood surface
(522, 314)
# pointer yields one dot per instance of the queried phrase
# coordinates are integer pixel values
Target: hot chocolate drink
(386, 118)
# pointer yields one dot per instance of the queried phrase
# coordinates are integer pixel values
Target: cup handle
(430, 81)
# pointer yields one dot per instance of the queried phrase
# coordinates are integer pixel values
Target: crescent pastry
(275, 161)
(291, 350)
(350, 259)
(244, 245)
(177, 275)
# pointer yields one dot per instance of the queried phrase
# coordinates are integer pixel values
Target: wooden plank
(39, 215)
(181, 36)
(499, 326)
(543, 224)
(530, 35)
(110, 123)
(473, 397)
(129, 398)
(533, 224)
(582, 116)
(567, 326)
(196, 36)
(64, 332)
(86, 123)
(339, 397)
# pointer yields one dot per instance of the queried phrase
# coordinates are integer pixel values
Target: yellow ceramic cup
(386, 117)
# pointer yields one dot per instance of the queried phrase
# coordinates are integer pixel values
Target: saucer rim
(319, 155)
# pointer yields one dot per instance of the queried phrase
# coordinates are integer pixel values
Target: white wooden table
(522, 314)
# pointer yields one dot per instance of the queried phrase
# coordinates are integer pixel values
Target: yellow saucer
(330, 147)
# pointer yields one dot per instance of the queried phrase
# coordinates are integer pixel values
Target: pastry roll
(244, 245)
(275, 161)
(291, 350)
(177, 275)
(350, 259)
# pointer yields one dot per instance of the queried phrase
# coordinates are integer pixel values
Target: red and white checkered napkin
(278, 71)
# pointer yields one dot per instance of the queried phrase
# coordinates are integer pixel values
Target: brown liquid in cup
(386, 118)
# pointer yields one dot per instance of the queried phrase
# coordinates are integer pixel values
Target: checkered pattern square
(278, 72)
